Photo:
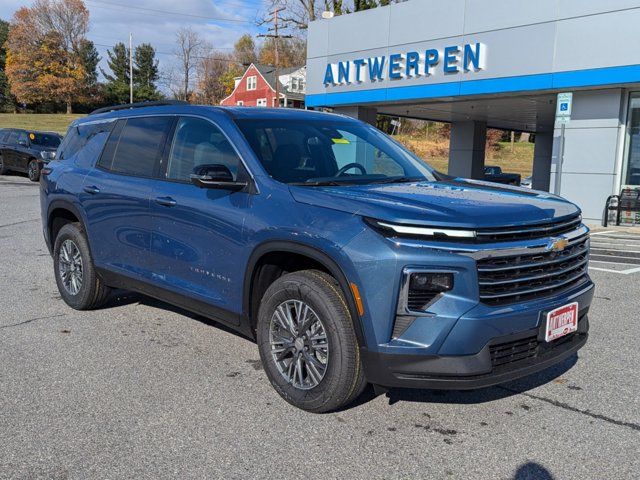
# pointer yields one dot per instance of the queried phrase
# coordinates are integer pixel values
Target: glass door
(631, 172)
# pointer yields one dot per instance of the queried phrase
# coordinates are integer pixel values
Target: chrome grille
(510, 279)
(541, 230)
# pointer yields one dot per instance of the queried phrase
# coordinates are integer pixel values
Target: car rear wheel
(33, 170)
(307, 342)
(78, 284)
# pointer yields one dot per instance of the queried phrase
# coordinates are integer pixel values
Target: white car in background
(527, 182)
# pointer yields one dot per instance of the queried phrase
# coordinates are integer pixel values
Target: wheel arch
(59, 213)
(312, 253)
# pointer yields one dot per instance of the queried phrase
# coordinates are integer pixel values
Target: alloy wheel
(33, 170)
(299, 344)
(70, 267)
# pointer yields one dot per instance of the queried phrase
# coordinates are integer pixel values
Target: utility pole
(275, 35)
(130, 67)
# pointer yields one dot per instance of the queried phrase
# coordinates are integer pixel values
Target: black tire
(3, 169)
(33, 170)
(92, 292)
(343, 379)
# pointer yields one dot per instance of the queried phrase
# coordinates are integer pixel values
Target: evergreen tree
(117, 85)
(89, 59)
(364, 4)
(145, 73)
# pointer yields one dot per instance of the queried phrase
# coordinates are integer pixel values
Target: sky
(112, 20)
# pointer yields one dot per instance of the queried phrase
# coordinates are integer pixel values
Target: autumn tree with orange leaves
(44, 63)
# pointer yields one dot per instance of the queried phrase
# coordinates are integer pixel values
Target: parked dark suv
(347, 258)
(26, 151)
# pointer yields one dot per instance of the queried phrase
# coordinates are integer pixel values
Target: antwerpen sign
(448, 61)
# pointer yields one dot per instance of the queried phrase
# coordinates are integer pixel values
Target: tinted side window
(22, 138)
(136, 145)
(198, 142)
(78, 136)
(12, 138)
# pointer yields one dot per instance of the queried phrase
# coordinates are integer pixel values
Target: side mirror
(47, 156)
(215, 176)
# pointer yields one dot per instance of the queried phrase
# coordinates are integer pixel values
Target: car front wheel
(307, 342)
(3, 169)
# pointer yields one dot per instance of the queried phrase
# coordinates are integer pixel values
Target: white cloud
(111, 23)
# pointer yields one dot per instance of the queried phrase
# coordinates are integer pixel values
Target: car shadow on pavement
(483, 395)
(121, 298)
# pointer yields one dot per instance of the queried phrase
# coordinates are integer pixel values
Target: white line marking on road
(602, 244)
(610, 261)
(621, 272)
(602, 233)
(607, 270)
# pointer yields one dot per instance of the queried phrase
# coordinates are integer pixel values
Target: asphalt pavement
(144, 390)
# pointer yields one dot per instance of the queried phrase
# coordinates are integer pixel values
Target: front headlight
(395, 229)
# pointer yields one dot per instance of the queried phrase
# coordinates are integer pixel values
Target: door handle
(92, 189)
(166, 201)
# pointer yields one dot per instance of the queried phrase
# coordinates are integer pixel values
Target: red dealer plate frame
(561, 321)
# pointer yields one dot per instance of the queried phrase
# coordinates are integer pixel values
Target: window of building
(240, 103)
(295, 84)
(197, 142)
(631, 174)
(252, 82)
(135, 146)
(262, 102)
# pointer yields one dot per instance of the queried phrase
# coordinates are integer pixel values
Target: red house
(256, 88)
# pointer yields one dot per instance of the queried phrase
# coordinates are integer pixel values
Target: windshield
(325, 152)
(44, 140)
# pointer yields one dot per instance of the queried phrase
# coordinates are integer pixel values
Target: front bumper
(503, 359)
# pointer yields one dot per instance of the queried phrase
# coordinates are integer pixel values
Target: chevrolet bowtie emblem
(557, 244)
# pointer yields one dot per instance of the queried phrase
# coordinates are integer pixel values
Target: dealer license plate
(561, 321)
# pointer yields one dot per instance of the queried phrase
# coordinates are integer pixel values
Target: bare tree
(189, 48)
(68, 18)
(216, 73)
(296, 12)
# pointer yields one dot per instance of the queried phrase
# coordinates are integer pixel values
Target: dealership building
(498, 64)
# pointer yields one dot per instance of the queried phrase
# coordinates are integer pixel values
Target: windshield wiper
(399, 180)
(326, 183)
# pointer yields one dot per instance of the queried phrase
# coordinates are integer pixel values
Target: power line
(276, 36)
(166, 12)
(228, 60)
(153, 44)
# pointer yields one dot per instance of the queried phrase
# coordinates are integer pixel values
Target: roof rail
(127, 106)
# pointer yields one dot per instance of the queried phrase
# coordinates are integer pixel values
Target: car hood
(456, 202)
(41, 148)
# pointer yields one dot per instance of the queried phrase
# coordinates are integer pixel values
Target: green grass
(436, 153)
(50, 122)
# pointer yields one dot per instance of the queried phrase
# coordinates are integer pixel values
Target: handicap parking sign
(563, 109)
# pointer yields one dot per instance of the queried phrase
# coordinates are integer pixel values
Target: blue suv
(346, 257)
